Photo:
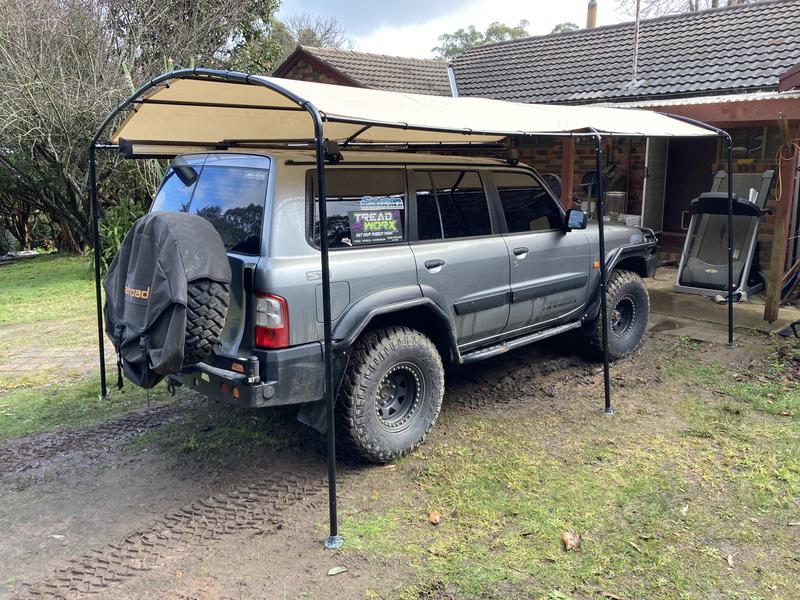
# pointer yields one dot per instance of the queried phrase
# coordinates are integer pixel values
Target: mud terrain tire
(391, 394)
(628, 308)
(206, 309)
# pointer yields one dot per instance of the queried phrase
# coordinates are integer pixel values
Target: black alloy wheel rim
(623, 317)
(399, 393)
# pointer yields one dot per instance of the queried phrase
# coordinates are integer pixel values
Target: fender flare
(613, 258)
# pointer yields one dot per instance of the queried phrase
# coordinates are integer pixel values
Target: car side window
(451, 204)
(526, 204)
(365, 207)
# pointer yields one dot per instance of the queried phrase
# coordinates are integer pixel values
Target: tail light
(272, 321)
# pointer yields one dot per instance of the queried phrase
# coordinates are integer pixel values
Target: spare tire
(206, 309)
(167, 294)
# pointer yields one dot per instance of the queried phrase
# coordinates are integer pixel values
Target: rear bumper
(287, 376)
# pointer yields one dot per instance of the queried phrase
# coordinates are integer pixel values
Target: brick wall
(305, 72)
(546, 154)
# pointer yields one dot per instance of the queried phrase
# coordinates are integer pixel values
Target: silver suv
(434, 259)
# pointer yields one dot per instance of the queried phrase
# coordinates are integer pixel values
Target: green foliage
(564, 27)
(114, 226)
(453, 44)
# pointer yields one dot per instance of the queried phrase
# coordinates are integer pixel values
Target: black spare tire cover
(168, 261)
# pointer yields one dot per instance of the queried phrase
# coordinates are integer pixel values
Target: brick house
(735, 67)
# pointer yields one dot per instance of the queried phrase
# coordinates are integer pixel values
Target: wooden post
(567, 171)
(787, 168)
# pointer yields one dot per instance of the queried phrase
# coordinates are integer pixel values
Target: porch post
(567, 171)
(787, 168)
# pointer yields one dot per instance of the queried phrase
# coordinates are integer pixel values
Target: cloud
(416, 37)
(361, 18)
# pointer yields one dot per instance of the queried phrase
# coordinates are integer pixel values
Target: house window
(751, 144)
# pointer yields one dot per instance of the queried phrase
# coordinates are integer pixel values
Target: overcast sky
(412, 27)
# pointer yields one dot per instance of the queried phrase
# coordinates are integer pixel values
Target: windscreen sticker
(381, 203)
(375, 227)
(259, 175)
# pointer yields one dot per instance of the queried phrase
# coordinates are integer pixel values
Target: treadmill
(703, 267)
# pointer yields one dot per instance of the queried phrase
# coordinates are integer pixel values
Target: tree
(656, 8)
(453, 44)
(65, 64)
(564, 27)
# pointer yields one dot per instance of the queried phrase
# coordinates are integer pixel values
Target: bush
(114, 226)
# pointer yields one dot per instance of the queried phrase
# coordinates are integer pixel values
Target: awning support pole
(731, 290)
(96, 242)
(598, 157)
(334, 540)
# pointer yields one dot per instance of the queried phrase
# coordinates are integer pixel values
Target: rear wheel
(628, 308)
(391, 395)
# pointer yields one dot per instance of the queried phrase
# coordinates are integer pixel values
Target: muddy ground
(121, 511)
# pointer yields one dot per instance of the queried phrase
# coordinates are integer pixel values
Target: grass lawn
(47, 306)
(697, 498)
(46, 288)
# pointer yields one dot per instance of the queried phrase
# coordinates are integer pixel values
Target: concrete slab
(691, 315)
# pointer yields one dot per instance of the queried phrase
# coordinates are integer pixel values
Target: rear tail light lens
(272, 321)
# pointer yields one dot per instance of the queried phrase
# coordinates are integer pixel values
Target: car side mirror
(576, 219)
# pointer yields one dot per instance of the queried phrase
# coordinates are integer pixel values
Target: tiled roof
(732, 49)
(382, 72)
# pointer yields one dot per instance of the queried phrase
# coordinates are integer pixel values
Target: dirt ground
(143, 506)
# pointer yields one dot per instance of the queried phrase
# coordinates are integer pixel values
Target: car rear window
(229, 191)
(365, 207)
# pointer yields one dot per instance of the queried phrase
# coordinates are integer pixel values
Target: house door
(654, 183)
(690, 173)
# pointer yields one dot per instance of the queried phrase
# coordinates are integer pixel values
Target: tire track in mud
(255, 506)
(515, 378)
(31, 451)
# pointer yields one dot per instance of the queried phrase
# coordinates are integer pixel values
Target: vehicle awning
(207, 111)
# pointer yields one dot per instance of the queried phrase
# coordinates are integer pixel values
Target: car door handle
(521, 251)
(436, 263)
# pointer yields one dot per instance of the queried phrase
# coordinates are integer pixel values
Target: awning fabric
(209, 111)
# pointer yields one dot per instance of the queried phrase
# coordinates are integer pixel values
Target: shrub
(115, 223)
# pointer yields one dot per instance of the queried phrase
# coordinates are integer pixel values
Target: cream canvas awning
(208, 111)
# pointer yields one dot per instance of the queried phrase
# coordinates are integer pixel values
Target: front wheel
(391, 395)
(628, 308)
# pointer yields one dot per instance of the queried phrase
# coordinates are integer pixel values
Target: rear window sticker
(381, 203)
(375, 227)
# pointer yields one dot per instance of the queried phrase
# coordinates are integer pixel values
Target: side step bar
(504, 347)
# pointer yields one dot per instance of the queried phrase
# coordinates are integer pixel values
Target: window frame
(310, 178)
(548, 192)
(412, 195)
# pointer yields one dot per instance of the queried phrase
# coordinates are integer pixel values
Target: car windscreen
(228, 191)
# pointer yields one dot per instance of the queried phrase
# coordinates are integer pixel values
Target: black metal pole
(334, 540)
(96, 243)
(598, 157)
(730, 240)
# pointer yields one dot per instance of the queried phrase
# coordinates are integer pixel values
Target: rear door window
(229, 191)
(526, 204)
(451, 204)
(366, 207)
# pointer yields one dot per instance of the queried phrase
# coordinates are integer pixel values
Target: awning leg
(334, 540)
(598, 157)
(731, 289)
(96, 240)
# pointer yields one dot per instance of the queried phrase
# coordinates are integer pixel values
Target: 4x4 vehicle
(434, 259)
